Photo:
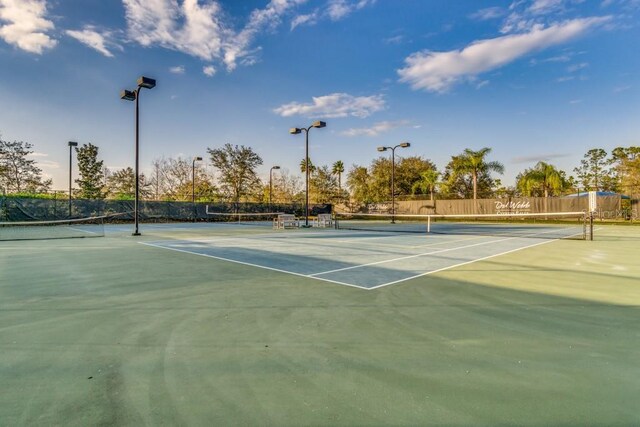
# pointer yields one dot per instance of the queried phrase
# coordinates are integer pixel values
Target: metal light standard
(271, 183)
(295, 131)
(71, 145)
(193, 186)
(393, 176)
(134, 95)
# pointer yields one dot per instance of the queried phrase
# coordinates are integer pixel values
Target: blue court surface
(361, 259)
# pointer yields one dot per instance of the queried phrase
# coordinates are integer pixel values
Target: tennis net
(243, 218)
(58, 229)
(556, 225)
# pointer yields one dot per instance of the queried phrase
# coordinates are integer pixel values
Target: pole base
(305, 226)
(136, 234)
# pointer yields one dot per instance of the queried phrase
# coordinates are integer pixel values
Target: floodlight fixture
(393, 175)
(193, 186)
(295, 131)
(146, 82)
(128, 95)
(134, 95)
(71, 144)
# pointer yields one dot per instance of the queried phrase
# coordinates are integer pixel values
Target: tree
(474, 163)
(409, 171)
(380, 180)
(427, 182)
(543, 178)
(626, 165)
(121, 185)
(91, 173)
(237, 167)
(287, 188)
(457, 184)
(174, 178)
(591, 171)
(303, 166)
(325, 185)
(338, 169)
(358, 180)
(17, 172)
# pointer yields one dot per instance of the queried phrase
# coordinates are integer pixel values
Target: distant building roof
(598, 193)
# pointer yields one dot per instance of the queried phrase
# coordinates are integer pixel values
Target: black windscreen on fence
(35, 209)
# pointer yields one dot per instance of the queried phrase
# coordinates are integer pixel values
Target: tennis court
(366, 260)
(206, 323)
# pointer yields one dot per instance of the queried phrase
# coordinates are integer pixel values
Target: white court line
(428, 253)
(470, 262)
(253, 265)
(461, 264)
(312, 276)
(407, 257)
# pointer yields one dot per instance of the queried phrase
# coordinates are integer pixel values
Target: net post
(429, 224)
(593, 207)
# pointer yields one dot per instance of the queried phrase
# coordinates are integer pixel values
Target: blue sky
(533, 79)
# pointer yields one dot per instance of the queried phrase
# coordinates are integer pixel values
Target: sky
(535, 80)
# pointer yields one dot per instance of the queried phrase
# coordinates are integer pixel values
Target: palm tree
(303, 166)
(543, 176)
(338, 169)
(428, 181)
(474, 162)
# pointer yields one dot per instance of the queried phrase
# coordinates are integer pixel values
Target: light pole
(71, 145)
(393, 176)
(271, 183)
(193, 186)
(134, 95)
(295, 131)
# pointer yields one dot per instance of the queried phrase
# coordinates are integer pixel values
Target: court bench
(285, 221)
(323, 221)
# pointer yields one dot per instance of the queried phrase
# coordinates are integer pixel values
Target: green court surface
(230, 325)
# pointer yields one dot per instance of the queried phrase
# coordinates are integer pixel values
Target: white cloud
(575, 101)
(488, 13)
(25, 25)
(539, 158)
(621, 89)
(178, 69)
(576, 67)
(90, 37)
(525, 14)
(334, 10)
(334, 105)
(198, 28)
(209, 70)
(439, 71)
(308, 19)
(155, 22)
(339, 9)
(394, 39)
(541, 7)
(37, 154)
(376, 129)
(565, 79)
